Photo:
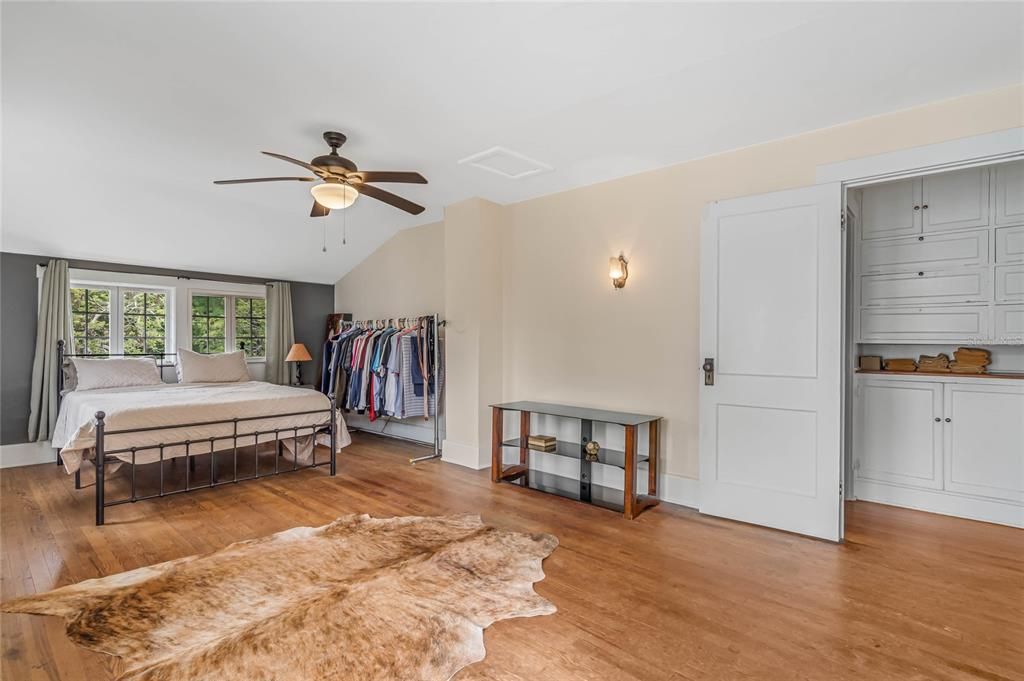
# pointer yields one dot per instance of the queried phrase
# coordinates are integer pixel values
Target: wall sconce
(618, 270)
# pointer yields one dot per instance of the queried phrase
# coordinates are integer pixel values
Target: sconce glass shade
(334, 195)
(618, 271)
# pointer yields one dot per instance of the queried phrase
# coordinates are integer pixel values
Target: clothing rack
(392, 321)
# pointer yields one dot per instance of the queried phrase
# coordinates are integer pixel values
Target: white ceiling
(117, 117)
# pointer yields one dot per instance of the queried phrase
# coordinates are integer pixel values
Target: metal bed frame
(104, 455)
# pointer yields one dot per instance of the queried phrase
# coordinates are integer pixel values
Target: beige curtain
(280, 332)
(53, 324)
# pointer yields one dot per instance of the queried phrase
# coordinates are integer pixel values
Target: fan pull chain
(344, 229)
(324, 249)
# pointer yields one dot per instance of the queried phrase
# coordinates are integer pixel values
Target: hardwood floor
(671, 596)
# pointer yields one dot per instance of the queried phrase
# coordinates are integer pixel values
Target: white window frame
(230, 341)
(116, 289)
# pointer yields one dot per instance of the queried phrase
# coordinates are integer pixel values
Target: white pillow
(226, 367)
(116, 372)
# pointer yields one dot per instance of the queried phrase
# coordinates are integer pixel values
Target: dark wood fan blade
(319, 211)
(268, 179)
(296, 161)
(388, 176)
(389, 198)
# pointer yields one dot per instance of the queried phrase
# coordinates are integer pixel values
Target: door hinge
(840, 488)
(842, 221)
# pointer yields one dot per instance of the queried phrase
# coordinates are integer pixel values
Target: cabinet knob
(920, 274)
(937, 419)
(920, 238)
(948, 420)
(924, 207)
(917, 207)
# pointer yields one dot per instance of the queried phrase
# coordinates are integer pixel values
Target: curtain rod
(158, 272)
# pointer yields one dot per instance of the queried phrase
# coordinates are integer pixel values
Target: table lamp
(298, 354)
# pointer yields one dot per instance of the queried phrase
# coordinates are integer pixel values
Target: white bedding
(175, 403)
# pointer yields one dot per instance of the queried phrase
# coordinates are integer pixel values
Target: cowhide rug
(359, 599)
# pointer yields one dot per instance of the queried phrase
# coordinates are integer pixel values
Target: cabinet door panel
(984, 440)
(1009, 323)
(1009, 283)
(925, 252)
(896, 437)
(1009, 244)
(922, 288)
(891, 209)
(960, 324)
(1009, 182)
(956, 200)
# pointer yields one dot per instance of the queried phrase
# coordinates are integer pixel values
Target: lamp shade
(334, 195)
(298, 353)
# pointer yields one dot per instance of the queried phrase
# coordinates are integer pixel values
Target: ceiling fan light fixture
(334, 195)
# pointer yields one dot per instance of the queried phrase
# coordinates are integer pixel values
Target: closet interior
(936, 279)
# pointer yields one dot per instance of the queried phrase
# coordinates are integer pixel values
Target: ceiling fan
(342, 182)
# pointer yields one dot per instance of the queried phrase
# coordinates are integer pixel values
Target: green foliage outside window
(90, 320)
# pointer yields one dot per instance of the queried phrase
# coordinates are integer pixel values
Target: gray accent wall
(311, 303)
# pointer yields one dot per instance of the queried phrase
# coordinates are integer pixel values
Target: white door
(771, 319)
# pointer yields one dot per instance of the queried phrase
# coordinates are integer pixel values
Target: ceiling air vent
(506, 163)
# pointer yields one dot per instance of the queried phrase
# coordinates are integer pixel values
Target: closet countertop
(937, 374)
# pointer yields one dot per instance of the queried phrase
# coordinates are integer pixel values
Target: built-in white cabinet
(1008, 179)
(946, 325)
(940, 258)
(964, 285)
(891, 209)
(955, 200)
(984, 440)
(925, 252)
(948, 444)
(899, 424)
(1009, 283)
(1010, 244)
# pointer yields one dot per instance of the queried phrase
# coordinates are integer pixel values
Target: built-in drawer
(967, 285)
(1009, 283)
(964, 324)
(1009, 244)
(1009, 323)
(924, 252)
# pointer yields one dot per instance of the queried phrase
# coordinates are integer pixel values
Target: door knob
(948, 420)
(709, 370)
(937, 419)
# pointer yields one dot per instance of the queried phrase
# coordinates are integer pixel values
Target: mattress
(161, 407)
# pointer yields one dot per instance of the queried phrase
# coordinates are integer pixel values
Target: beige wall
(405, 276)
(567, 336)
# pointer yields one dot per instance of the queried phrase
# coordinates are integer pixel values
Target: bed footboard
(239, 432)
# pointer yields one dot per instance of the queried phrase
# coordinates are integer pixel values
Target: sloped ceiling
(117, 117)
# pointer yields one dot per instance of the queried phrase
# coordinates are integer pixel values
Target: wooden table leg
(652, 459)
(524, 437)
(629, 488)
(496, 439)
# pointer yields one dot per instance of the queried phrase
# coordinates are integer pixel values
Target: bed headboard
(62, 363)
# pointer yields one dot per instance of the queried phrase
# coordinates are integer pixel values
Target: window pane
(216, 345)
(133, 325)
(78, 299)
(98, 346)
(156, 303)
(198, 327)
(242, 329)
(98, 325)
(155, 326)
(216, 306)
(259, 348)
(134, 302)
(198, 345)
(78, 324)
(155, 345)
(216, 327)
(199, 305)
(99, 301)
(242, 307)
(134, 346)
(259, 328)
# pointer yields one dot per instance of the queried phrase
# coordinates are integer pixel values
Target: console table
(582, 489)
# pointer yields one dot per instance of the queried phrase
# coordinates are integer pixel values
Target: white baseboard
(943, 503)
(26, 454)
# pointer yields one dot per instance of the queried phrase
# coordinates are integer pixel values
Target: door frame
(988, 149)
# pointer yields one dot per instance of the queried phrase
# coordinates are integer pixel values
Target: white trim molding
(26, 454)
(1003, 145)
